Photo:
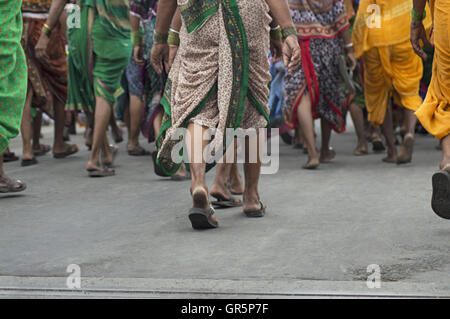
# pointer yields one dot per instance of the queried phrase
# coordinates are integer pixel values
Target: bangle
(46, 30)
(160, 38)
(418, 17)
(276, 34)
(174, 38)
(288, 31)
(136, 38)
(349, 45)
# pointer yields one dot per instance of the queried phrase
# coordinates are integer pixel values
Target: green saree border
(259, 107)
(237, 38)
(195, 13)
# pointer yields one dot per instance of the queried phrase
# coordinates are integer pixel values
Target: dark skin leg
(326, 155)
(236, 185)
(251, 199)
(357, 115)
(26, 128)
(304, 115)
(102, 118)
(445, 164)
(388, 132)
(136, 107)
(37, 124)
(59, 146)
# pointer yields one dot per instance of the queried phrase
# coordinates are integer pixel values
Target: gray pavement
(131, 237)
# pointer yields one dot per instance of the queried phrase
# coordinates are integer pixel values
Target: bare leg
(37, 124)
(357, 115)
(406, 151)
(157, 123)
(26, 128)
(445, 164)
(236, 186)
(136, 107)
(388, 132)
(115, 130)
(102, 119)
(304, 114)
(59, 146)
(195, 146)
(326, 154)
(251, 199)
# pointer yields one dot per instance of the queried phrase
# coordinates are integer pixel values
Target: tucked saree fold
(220, 76)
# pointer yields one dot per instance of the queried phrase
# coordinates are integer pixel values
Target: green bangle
(160, 38)
(288, 31)
(418, 17)
(136, 38)
(173, 38)
(276, 34)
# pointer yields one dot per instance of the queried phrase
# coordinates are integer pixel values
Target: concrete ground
(131, 237)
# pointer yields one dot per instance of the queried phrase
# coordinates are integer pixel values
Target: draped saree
(220, 76)
(13, 71)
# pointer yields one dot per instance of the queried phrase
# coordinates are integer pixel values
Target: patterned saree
(220, 76)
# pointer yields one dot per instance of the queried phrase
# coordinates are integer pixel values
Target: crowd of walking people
(158, 66)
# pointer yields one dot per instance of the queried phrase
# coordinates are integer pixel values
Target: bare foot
(236, 186)
(361, 150)
(251, 202)
(406, 151)
(200, 199)
(390, 159)
(327, 156)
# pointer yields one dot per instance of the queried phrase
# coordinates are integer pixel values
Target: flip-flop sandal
(29, 162)
(158, 170)
(440, 201)
(201, 219)
(138, 151)
(257, 213)
(13, 187)
(222, 202)
(107, 171)
(72, 149)
(10, 157)
(44, 150)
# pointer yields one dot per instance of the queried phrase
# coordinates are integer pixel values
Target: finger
(425, 41)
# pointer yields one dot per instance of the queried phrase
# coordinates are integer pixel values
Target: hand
(173, 50)
(351, 58)
(137, 55)
(41, 47)
(418, 33)
(160, 54)
(291, 54)
(276, 48)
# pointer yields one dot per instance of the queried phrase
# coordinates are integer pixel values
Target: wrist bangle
(349, 45)
(173, 39)
(46, 30)
(160, 38)
(136, 38)
(276, 34)
(418, 17)
(288, 31)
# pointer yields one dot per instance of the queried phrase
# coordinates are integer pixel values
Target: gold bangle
(276, 34)
(173, 38)
(46, 30)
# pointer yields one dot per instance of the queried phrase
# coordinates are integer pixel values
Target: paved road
(131, 237)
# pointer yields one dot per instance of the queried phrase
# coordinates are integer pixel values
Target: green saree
(13, 71)
(99, 51)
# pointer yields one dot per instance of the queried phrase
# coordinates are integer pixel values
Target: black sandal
(222, 202)
(440, 201)
(72, 149)
(256, 213)
(201, 219)
(29, 162)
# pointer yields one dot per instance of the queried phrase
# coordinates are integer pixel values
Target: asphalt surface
(131, 237)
